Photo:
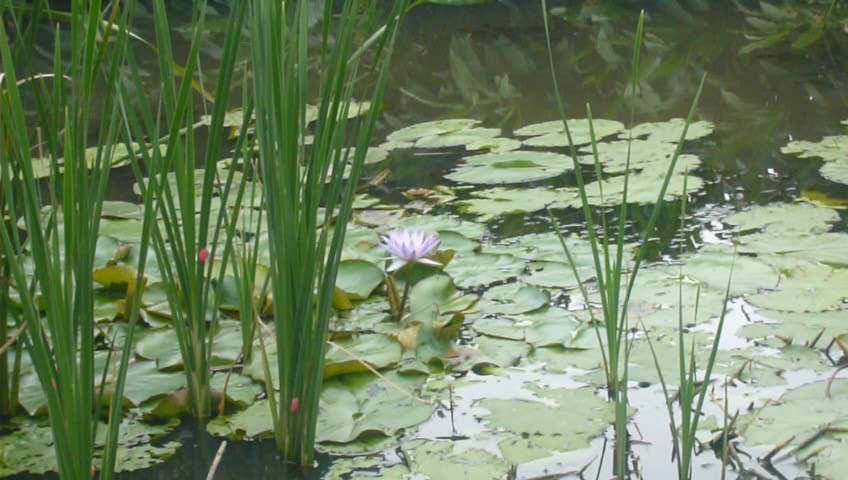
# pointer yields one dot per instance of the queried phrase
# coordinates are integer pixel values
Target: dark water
(757, 102)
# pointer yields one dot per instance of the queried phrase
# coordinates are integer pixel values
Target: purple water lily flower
(408, 246)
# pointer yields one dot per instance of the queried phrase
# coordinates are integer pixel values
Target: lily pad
(836, 171)
(514, 298)
(518, 166)
(830, 148)
(552, 133)
(494, 145)
(458, 139)
(484, 269)
(494, 202)
(441, 459)
(358, 278)
(254, 422)
(355, 405)
(800, 217)
(802, 417)
(349, 355)
(561, 420)
(443, 223)
(427, 129)
(816, 288)
(791, 250)
(644, 154)
(670, 130)
(712, 266)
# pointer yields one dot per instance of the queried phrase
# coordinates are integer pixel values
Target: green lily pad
(561, 420)
(438, 293)
(458, 139)
(785, 218)
(798, 327)
(498, 201)
(500, 351)
(347, 355)
(815, 288)
(558, 359)
(254, 422)
(443, 223)
(670, 130)
(836, 171)
(441, 459)
(712, 266)
(791, 250)
(644, 155)
(556, 274)
(358, 278)
(161, 345)
(798, 417)
(642, 187)
(494, 145)
(514, 298)
(483, 269)
(427, 129)
(552, 133)
(830, 148)
(145, 381)
(359, 404)
(518, 166)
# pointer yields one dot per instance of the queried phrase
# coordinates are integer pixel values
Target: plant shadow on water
(515, 358)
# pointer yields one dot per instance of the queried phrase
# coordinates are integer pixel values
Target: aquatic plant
(407, 248)
(56, 289)
(190, 240)
(614, 280)
(692, 390)
(308, 199)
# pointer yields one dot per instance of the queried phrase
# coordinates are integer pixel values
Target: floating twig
(216, 461)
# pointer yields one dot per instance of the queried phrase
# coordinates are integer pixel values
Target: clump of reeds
(307, 197)
(193, 238)
(62, 220)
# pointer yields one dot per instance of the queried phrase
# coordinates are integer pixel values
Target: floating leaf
(351, 355)
(483, 269)
(358, 278)
(427, 129)
(815, 288)
(498, 201)
(514, 298)
(670, 130)
(800, 218)
(360, 404)
(494, 145)
(518, 166)
(541, 424)
(457, 139)
(441, 459)
(552, 133)
(830, 148)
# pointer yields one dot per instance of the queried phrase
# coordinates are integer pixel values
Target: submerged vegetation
(285, 237)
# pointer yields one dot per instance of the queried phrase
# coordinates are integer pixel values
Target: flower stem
(403, 299)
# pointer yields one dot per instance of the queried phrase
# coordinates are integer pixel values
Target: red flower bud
(295, 406)
(202, 255)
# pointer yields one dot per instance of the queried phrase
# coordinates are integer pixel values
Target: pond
(507, 381)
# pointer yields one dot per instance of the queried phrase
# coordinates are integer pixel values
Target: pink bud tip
(295, 406)
(202, 255)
